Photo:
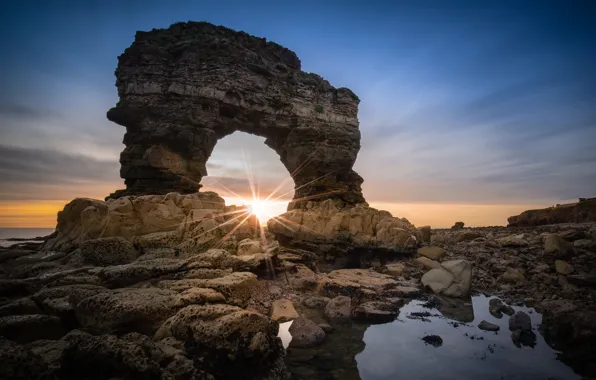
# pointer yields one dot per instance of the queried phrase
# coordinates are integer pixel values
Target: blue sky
(461, 101)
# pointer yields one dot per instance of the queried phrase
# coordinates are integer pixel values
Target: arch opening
(245, 171)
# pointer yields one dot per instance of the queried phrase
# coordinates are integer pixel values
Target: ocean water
(395, 350)
(21, 233)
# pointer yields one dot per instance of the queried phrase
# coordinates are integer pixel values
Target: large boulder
(234, 343)
(331, 227)
(136, 309)
(171, 224)
(452, 279)
(556, 246)
(108, 251)
(433, 253)
(305, 333)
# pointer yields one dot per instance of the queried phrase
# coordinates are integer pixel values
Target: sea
(21, 233)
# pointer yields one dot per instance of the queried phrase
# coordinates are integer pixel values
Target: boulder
(249, 247)
(487, 326)
(497, 308)
(331, 227)
(433, 253)
(458, 226)
(234, 343)
(356, 283)
(305, 333)
(425, 233)
(136, 309)
(467, 235)
(513, 276)
(375, 312)
(301, 277)
(395, 269)
(556, 246)
(520, 321)
(108, 251)
(27, 328)
(106, 357)
(563, 267)
(427, 263)
(19, 363)
(22, 306)
(452, 279)
(513, 241)
(339, 308)
(283, 311)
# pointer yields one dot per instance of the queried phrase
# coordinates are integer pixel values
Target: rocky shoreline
(206, 316)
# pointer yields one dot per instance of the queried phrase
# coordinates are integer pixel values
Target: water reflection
(396, 350)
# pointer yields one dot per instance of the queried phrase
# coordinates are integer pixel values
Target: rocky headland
(163, 281)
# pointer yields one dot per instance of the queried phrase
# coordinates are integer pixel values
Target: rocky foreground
(108, 310)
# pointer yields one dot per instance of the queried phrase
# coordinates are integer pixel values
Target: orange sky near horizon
(42, 214)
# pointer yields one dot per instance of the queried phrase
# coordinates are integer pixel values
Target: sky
(470, 110)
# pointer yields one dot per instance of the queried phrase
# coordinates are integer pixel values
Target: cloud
(21, 111)
(47, 174)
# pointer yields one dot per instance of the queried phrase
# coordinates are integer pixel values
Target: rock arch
(183, 88)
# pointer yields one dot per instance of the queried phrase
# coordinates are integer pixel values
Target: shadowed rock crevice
(183, 88)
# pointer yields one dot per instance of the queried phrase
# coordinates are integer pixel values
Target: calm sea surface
(21, 233)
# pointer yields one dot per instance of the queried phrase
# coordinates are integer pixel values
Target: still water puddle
(396, 350)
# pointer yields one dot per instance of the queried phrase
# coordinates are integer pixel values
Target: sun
(264, 209)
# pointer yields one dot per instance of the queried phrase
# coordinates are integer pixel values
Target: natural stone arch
(183, 88)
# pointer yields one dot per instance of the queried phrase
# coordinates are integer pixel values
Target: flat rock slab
(356, 283)
(137, 309)
(375, 312)
(283, 311)
(28, 328)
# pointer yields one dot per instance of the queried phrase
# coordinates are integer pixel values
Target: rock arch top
(183, 88)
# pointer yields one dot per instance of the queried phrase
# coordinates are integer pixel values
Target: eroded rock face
(171, 225)
(185, 87)
(332, 227)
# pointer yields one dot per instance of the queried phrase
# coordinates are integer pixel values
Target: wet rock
(583, 279)
(513, 241)
(136, 309)
(452, 279)
(487, 326)
(394, 269)
(433, 253)
(497, 308)
(520, 321)
(584, 244)
(406, 292)
(49, 350)
(375, 312)
(327, 327)
(316, 302)
(556, 246)
(23, 306)
(305, 333)
(427, 263)
(234, 343)
(105, 357)
(339, 308)
(563, 267)
(513, 276)
(108, 251)
(19, 363)
(27, 328)
(356, 283)
(433, 340)
(523, 338)
(283, 311)
(425, 231)
(301, 277)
